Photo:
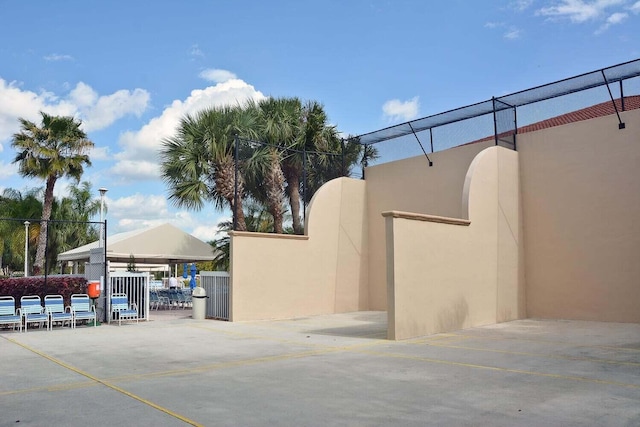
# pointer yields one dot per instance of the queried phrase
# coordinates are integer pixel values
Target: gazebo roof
(155, 245)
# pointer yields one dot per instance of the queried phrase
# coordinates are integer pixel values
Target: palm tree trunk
(274, 183)
(292, 176)
(47, 206)
(226, 186)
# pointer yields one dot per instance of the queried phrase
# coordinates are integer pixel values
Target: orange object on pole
(93, 289)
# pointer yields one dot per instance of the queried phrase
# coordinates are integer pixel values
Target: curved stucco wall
(411, 185)
(448, 274)
(280, 276)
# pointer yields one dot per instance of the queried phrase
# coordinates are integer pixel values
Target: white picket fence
(216, 285)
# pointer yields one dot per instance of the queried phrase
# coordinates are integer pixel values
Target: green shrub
(56, 285)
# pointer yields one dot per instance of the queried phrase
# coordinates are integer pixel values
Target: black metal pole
(235, 183)
(622, 96)
(495, 123)
(344, 172)
(46, 254)
(304, 185)
(420, 144)
(621, 124)
(431, 138)
(515, 125)
(105, 278)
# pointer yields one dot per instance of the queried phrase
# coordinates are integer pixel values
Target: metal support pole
(304, 185)
(420, 143)
(46, 252)
(431, 138)
(621, 124)
(105, 277)
(515, 128)
(344, 172)
(621, 95)
(495, 122)
(235, 183)
(26, 248)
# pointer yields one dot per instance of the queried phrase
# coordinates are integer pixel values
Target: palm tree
(198, 161)
(17, 207)
(257, 219)
(78, 208)
(277, 126)
(57, 148)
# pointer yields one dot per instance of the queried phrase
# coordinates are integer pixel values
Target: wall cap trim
(268, 235)
(424, 217)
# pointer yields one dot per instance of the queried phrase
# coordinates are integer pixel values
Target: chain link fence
(610, 90)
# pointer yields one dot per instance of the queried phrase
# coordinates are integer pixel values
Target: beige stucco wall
(411, 185)
(581, 205)
(445, 275)
(276, 276)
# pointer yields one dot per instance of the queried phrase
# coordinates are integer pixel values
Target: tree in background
(197, 163)
(14, 204)
(57, 148)
(286, 148)
(75, 210)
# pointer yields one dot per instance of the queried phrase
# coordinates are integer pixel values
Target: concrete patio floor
(325, 370)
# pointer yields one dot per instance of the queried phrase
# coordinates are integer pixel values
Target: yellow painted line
(497, 369)
(106, 384)
(436, 338)
(547, 356)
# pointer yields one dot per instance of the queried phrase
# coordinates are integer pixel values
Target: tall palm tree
(198, 161)
(277, 126)
(57, 148)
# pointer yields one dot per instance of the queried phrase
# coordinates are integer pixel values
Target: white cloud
(614, 19)
(217, 75)
(141, 147)
(96, 112)
(208, 232)
(100, 153)
(58, 57)
(520, 5)
(513, 33)
(195, 51)
(395, 110)
(579, 11)
(494, 25)
(138, 170)
(635, 8)
(140, 211)
(109, 108)
(8, 170)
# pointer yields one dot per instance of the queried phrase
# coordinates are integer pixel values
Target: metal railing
(216, 284)
(135, 285)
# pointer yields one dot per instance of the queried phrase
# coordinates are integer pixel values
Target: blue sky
(130, 70)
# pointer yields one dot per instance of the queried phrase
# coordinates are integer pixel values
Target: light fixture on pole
(26, 248)
(102, 191)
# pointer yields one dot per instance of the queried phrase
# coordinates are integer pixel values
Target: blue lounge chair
(82, 309)
(54, 307)
(9, 315)
(32, 311)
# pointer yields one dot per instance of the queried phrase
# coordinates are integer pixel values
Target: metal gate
(135, 285)
(216, 284)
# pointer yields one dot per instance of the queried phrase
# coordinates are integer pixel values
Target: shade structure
(162, 244)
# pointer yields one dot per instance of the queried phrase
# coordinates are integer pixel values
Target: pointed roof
(155, 245)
